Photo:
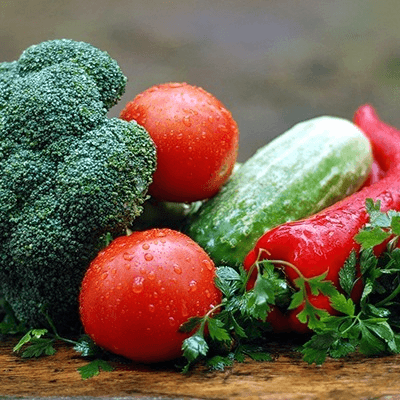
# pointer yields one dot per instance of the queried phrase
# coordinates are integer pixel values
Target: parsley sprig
(371, 326)
(41, 342)
(235, 327)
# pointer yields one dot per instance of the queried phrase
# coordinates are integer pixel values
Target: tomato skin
(141, 288)
(195, 136)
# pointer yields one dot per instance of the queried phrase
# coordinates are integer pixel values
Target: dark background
(273, 63)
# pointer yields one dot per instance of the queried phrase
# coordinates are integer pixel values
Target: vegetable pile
(302, 238)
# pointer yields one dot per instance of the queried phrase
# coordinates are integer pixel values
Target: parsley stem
(388, 298)
(55, 333)
(290, 265)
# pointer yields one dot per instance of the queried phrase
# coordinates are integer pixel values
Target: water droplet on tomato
(148, 257)
(138, 284)
(151, 275)
(171, 321)
(104, 276)
(152, 308)
(177, 269)
(186, 121)
(208, 294)
(208, 264)
(192, 286)
(145, 246)
(127, 256)
(185, 311)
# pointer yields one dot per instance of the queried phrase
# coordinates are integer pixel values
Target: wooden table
(287, 377)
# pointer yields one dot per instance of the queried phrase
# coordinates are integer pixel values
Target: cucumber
(309, 167)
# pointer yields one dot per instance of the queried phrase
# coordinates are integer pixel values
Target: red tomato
(195, 136)
(141, 288)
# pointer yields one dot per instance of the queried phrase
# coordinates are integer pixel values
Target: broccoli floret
(7, 72)
(69, 174)
(97, 64)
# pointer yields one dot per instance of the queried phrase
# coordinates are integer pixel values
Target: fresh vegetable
(370, 326)
(195, 136)
(237, 331)
(319, 245)
(68, 174)
(306, 169)
(41, 342)
(141, 288)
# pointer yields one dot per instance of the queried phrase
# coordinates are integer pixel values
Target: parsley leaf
(93, 368)
(372, 325)
(347, 274)
(369, 238)
(194, 346)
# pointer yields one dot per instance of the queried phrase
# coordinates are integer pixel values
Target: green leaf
(371, 237)
(194, 346)
(33, 333)
(368, 288)
(369, 343)
(237, 328)
(312, 316)
(86, 347)
(341, 348)
(39, 347)
(316, 349)
(228, 274)
(217, 330)
(318, 284)
(340, 303)
(376, 217)
(372, 207)
(377, 311)
(395, 225)
(368, 264)
(297, 300)
(393, 265)
(191, 324)
(259, 355)
(93, 368)
(261, 298)
(228, 280)
(347, 274)
(380, 328)
(219, 363)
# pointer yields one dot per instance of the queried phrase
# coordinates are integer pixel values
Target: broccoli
(69, 174)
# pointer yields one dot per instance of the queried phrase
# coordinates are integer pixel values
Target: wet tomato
(196, 139)
(141, 288)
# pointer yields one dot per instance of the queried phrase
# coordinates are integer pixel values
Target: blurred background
(273, 63)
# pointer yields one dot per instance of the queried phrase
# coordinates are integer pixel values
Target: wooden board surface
(287, 377)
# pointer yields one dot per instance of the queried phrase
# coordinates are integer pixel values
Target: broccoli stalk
(69, 174)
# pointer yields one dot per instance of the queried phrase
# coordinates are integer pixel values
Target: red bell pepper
(322, 243)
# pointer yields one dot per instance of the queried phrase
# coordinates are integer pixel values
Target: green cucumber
(304, 170)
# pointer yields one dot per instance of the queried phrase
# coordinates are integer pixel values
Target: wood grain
(287, 377)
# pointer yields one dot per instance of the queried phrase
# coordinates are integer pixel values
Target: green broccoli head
(68, 175)
(7, 72)
(96, 63)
